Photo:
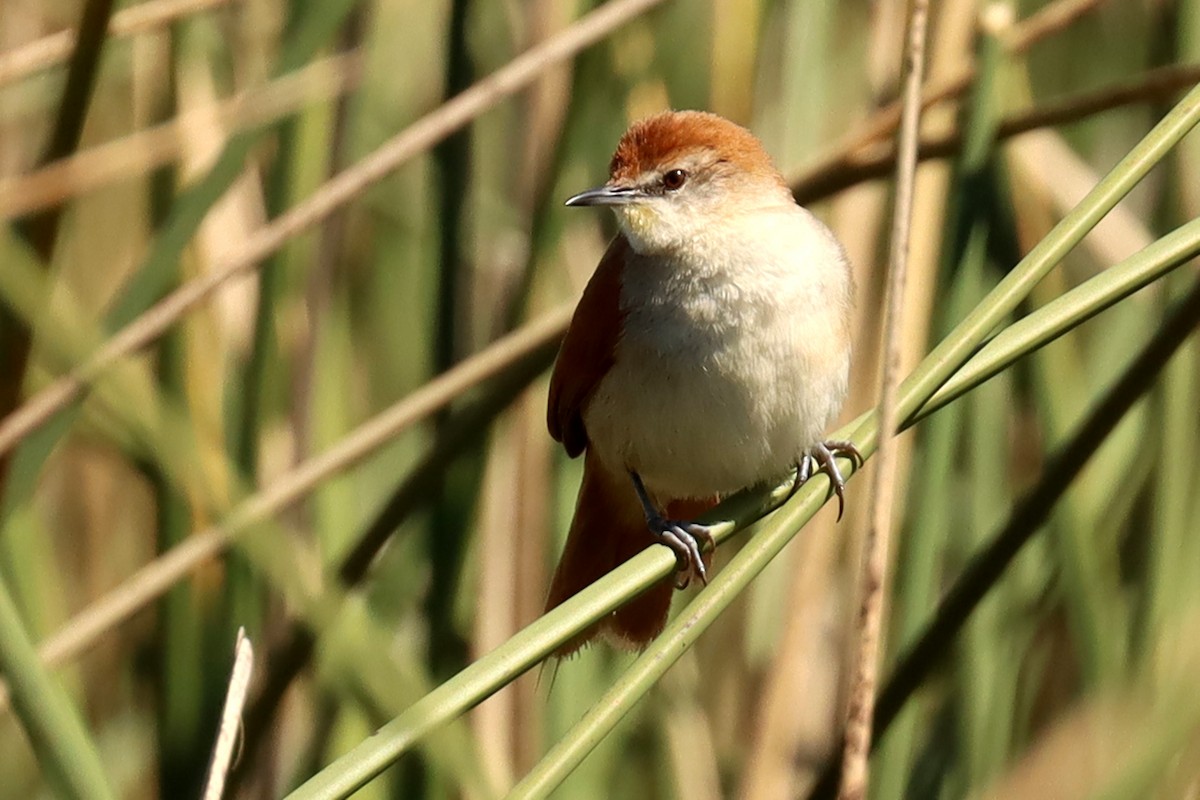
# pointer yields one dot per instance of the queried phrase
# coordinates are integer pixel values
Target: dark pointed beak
(606, 196)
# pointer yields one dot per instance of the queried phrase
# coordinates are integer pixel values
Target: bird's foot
(822, 457)
(687, 540)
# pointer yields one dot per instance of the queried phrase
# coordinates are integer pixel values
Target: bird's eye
(674, 179)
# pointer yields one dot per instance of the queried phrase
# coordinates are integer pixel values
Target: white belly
(721, 382)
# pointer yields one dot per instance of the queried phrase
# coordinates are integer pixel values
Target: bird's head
(679, 175)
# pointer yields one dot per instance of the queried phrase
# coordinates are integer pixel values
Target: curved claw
(687, 540)
(824, 455)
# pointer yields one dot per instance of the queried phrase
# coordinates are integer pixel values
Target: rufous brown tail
(609, 528)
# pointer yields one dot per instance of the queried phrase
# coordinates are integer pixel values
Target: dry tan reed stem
(50, 50)
(879, 160)
(1047, 21)
(415, 139)
(335, 193)
(876, 546)
(135, 155)
(156, 578)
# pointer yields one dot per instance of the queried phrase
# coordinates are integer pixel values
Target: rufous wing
(588, 349)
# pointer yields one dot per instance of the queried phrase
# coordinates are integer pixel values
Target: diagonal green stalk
(502, 665)
(1174, 549)
(1029, 515)
(288, 655)
(679, 635)
(55, 729)
(940, 364)
(1071, 310)
(518, 654)
(682, 632)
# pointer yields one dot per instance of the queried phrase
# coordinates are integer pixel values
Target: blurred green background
(192, 123)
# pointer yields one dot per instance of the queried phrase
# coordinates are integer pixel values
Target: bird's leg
(686, 539)
(821, 457)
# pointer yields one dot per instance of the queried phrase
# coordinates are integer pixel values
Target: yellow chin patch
(639, 221)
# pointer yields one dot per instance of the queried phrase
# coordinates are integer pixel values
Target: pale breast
(725, 373)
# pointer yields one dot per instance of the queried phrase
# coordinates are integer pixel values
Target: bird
(708, 353)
